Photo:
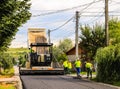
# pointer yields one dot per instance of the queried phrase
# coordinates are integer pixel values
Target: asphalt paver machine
(40, 57)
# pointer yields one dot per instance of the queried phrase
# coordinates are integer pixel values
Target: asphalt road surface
(59, 82)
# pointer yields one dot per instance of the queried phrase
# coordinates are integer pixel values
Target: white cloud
(56, 4)
(19, 41)
(54, 20)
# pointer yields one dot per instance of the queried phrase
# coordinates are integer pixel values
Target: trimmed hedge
(108, 64)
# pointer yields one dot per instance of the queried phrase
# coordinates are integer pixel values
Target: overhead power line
(80, 12)
(62, 24)
(98, 15)
(116, 2)
(58, 11)
(93, 20)
(73, 16)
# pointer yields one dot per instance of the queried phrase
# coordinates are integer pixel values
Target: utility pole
(76, 33)
(48, 36)
(106, 23)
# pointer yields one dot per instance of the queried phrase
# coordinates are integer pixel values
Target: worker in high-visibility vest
(69, 67)
(89, 67)
(78, 66)
(65, 65)
(31, 50)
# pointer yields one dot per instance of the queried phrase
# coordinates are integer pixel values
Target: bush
(108, 64)
(6, 60)
(9, 72)
(22, 61)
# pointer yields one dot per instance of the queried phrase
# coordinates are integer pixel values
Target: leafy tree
(114, 31)
(56, 52)
(92, 39)
(65, 45)
(13, 13)
(62, 57)
(59, 51)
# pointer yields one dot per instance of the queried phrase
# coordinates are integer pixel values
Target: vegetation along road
(59, 82)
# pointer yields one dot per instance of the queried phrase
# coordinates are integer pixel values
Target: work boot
(90, 77)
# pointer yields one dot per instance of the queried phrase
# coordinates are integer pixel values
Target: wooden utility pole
(76, 33)
(48, 36)
(106, 23)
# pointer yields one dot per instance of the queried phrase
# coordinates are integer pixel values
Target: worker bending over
(69, 67)
(89, 67)
(65, 65)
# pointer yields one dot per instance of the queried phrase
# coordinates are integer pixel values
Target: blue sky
(91, 11)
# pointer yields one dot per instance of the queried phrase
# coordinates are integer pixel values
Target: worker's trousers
(78, 70)
(89, 72)
(65, 70)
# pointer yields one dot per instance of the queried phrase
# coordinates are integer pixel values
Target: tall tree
(60, 50)
(114, 31)
(13, 13)
(92, 39)
(65, 45)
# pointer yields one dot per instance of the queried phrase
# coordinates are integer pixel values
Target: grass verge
(5, 85)
(115, 83)
(7, 73)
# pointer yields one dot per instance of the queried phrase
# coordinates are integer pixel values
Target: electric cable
(63, 10)
(116, 2)
(94, 20)
(62, 24)
(72, 17)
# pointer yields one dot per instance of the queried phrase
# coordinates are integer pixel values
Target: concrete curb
(19, 83)
(17, 75)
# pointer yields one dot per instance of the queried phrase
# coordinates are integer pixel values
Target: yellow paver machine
(40, 57)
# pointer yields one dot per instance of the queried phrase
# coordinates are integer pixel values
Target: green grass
(8, 72)
(7, 87)
(17, 49)
(83, 73)
(116, 83)
(15, 52)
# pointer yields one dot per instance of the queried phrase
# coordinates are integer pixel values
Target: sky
(59, 17)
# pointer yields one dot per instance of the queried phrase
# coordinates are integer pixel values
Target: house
(71, 54)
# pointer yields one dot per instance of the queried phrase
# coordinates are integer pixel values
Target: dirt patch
(5, 76)
(8, 85)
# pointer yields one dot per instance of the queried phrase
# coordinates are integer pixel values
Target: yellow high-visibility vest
(69, 65)
(65, 63)
(88, 65)
(78, 63)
